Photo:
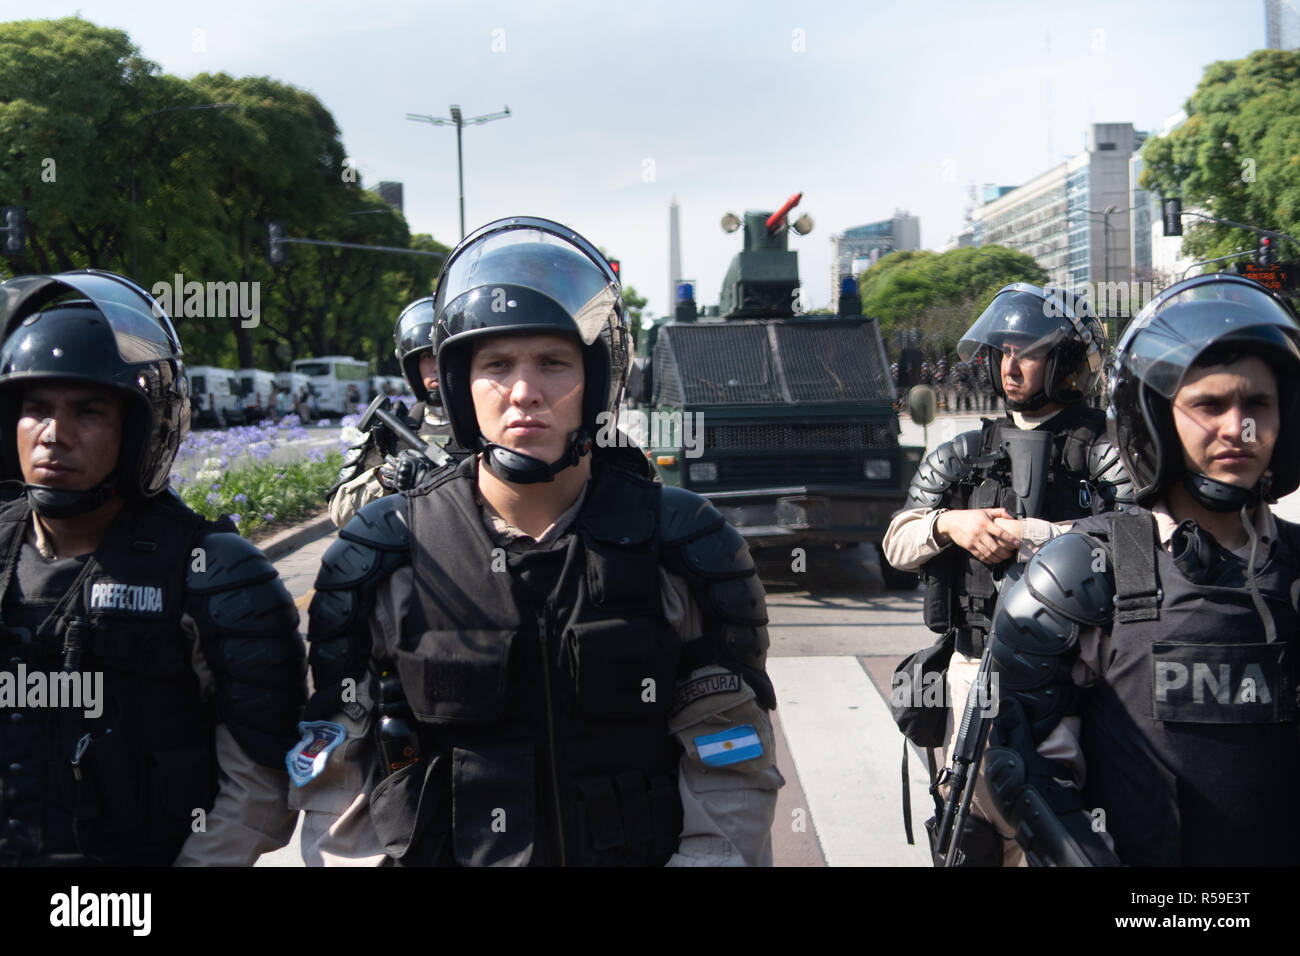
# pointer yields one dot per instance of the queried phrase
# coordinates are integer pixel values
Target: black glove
(404, 471)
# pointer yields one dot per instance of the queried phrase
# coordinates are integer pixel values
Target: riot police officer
(368, 473)
(1174, 741)
(542, 656)
(175, 633)
(988, 497)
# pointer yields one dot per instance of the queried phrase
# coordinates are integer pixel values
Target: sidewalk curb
(291, 539)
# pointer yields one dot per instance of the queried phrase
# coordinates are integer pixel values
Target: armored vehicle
(784, 420)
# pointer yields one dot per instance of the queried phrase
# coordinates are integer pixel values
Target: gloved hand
(405, 470)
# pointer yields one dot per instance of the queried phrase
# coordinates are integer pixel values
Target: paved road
(837, 634)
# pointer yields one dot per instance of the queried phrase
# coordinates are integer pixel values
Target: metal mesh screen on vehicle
(776, 437)
(723, 364)
(665, 388)
(832, 363)
(769, 363)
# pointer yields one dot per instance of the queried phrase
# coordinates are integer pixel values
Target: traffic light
(15, 229)
(274, 246)
(613, 264)
(1172, 209)
(1267, 255)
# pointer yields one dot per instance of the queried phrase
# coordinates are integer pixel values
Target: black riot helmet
(413, 336)
(1044, 321)
(1206, 316)
(526, 275)
(98, 328)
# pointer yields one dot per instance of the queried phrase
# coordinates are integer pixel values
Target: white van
(257, 393)
(214, 397)
(339, 382)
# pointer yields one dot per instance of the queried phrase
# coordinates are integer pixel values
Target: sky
(865, 106)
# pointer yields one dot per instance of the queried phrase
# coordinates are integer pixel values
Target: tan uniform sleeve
(909, 539)
(727, 812)
(1036, 532)
(250, 816)
(355, 495)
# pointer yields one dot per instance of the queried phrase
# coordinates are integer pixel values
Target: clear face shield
(525, 257)
(1165, 338)
(1019, 319)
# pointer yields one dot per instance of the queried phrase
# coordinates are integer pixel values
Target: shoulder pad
(248, 628)
(1034, 640)
(225, 562)
(1064, 576)
(1038, 618)
(684, 515)
(381, 524)
(1106, 470)
(943, 468)
(740, 601)
(717, 555)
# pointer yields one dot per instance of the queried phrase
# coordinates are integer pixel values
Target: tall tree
(1238, 154)
(125, 168)
(940, 293)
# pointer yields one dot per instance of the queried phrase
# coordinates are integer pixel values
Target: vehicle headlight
(878, 468)
(703, 471)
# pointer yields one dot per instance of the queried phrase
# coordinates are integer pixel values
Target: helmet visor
(1165, 338)
(1018, 316)
(141, 329)
(532, 258)
(415, 328)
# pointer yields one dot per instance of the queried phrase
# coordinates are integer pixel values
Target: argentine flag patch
(730, 746)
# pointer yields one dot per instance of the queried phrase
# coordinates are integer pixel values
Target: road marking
(302, 602)
(846, 751)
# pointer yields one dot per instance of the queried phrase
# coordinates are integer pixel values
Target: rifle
(967, 755)
(378, 409)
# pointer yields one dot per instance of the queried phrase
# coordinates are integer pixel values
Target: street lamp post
(1105, 215)
(459, 121)
(135, 231)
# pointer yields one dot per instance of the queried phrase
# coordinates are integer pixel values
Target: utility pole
(459, 121)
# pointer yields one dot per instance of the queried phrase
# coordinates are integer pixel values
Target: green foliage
(1238, 154)
(205, 182)
(940, 293)
(283, 490)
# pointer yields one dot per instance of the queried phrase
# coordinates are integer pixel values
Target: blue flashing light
(848, 286)
(685, 292)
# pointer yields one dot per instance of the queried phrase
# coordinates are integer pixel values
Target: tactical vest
(1190, 738)
(439, 434)
(960, 589)
(540, 680)
(119, 788)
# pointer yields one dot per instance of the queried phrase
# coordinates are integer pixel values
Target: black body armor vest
(120, 787)
(961, 591)
(539, 680)
(1190, 738)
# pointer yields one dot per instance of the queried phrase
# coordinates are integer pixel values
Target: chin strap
(1221, 497)
(523, 469)
(58, 503)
